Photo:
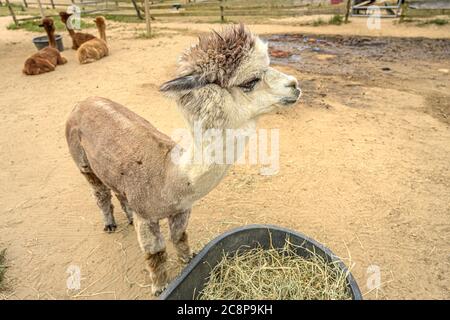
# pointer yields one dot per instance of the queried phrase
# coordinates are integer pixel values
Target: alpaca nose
(292, 83)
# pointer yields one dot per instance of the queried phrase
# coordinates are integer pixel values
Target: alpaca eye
(249, 85)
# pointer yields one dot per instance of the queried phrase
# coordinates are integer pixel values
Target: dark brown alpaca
(78, 38)
(46, 59)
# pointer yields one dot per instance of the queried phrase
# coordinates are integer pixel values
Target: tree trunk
(349, 8)
(40, 9)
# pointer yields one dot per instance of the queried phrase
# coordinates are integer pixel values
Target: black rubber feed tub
(42, 42)
(193, 278)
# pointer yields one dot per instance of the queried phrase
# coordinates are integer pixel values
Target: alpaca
(96, 48)
(225, 81)
(78, 38)
(46, 59)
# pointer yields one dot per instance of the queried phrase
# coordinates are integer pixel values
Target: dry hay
(275, 274)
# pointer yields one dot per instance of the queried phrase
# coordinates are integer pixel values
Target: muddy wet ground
(342, 65)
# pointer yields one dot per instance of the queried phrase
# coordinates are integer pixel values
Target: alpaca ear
(182, 84)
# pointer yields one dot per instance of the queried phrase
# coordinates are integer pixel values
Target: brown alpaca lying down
(78, 38)
(96, 48)
(46, 59)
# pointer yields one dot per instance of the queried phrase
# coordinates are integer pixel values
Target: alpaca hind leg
(126, 208)
(101, 192)
(178, 224)
(44, 66)
(102, 195)
(152, 244)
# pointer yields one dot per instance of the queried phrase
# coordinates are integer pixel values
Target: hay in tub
(278, 274)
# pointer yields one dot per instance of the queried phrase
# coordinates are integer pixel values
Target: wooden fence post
(12, 12)
(403, 9)
(40, 9)
(147, 19)
(349, 8)
(222, 18)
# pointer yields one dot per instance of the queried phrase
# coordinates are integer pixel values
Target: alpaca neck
(102, 32)
(51, 38)
(205, 160)
(71, 32)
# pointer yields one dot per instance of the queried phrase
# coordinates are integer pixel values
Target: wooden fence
(187, 8)
(209, 8)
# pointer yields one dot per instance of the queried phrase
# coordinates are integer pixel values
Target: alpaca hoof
(130, 222)
(157, 290)
(110, 228)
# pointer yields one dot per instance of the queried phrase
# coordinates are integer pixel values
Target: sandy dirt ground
(364, 160)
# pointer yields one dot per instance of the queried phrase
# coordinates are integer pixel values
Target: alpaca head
(100, 22)
(225, 80)
(64, 16)
(48, 25)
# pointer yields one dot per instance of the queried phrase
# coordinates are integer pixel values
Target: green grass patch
(2, 268)
(33, 25)
(337, 20)
(437, 21)
(4, 11)
(319, 22)
(123, 18)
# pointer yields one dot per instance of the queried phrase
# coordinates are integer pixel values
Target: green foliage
(319, 22)
(437, 21)
(33, 25)
(123, 18)
(337, 19)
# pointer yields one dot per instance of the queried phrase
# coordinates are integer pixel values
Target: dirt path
(364, 168)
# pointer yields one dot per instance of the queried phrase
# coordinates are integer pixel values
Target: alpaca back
(45, 60)
(92, 50)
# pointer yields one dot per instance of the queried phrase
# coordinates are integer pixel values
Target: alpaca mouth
(286, 101)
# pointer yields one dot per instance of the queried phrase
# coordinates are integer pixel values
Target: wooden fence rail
(219, 8)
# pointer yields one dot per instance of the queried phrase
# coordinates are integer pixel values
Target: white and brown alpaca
(46, 59)
(225, 81)
(78, 38)
(96, 48)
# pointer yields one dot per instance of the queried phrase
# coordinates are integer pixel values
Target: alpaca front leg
(178, 224)
(152, 244)
(61, 59)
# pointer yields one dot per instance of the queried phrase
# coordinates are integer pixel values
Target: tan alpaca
(46, 59)
(224, 82)
(96, 48)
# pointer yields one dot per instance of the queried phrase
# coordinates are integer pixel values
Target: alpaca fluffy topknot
(217, 55)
